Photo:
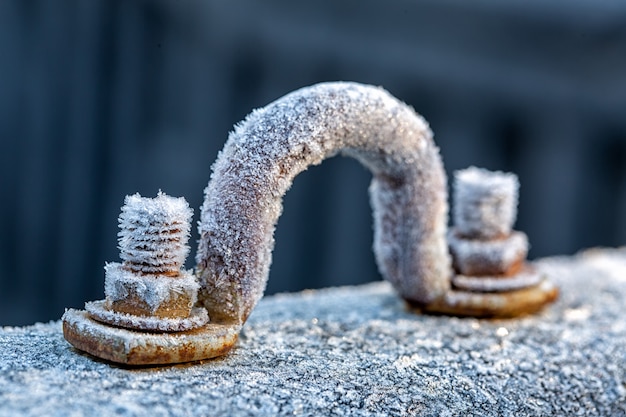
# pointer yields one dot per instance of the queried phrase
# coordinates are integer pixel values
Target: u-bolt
(243, 202)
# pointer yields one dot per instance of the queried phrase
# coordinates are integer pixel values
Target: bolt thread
(154, 233)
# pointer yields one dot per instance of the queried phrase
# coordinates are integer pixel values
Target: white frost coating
(98, 311)
(154, 290)
(243, 200)
(492, 257)
(485, 203)
(154, 233)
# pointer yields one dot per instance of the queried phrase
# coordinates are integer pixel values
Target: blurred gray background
(99, 99)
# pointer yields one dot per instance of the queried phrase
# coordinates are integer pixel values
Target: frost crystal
(154, 233)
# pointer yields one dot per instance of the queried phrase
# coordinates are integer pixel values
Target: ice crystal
(154, 233)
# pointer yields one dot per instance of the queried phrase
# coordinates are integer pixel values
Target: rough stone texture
(357, 351)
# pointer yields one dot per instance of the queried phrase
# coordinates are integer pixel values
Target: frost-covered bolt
(149, 315)
(487, 254)
(482, 242)
(149, 290)
(154, 233)
(485, 203)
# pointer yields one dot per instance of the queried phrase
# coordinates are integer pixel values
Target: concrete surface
(355, 351)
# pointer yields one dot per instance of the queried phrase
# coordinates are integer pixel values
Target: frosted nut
(149, 314)
(149, 295)
(154, 233)
(488, 257)
(485, 203)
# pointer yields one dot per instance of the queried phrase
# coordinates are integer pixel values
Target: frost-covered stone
(357, 351)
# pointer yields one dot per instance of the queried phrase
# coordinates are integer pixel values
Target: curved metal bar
(263, 155)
